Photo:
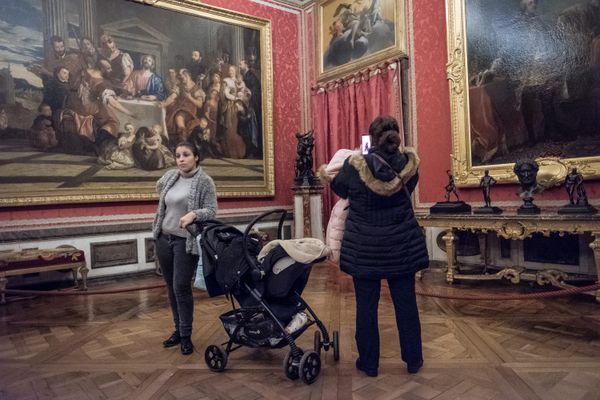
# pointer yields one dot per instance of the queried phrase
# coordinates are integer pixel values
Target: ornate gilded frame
(553, 170)
(24, 195)
(325, 7)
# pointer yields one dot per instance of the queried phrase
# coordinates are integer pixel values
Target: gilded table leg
(450, 255)
(83, 270)
(595, 246)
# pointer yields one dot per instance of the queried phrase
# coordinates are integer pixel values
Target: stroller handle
(258, 271)
(200, 225)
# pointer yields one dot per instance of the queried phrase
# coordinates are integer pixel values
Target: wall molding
(111, 220)
(101, 225)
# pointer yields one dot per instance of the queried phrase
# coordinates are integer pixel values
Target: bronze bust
(526, 171)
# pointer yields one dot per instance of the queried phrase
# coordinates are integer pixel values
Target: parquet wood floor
(109, 347)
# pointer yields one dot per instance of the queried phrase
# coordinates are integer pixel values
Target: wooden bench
(28, 261)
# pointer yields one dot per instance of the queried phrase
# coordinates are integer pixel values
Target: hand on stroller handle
(200, 225)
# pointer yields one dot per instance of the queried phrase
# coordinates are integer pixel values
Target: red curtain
(343, 109)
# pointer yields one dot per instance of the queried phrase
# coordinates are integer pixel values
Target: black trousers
(403, 295)
(178, 268)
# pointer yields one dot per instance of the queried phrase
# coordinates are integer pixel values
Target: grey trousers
(178, 268)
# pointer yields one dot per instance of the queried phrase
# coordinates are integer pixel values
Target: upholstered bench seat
(28, 261)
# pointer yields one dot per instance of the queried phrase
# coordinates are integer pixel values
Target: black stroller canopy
(223, 253)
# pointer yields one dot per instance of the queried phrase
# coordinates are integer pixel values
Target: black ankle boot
(173, 340)
(414, 368)
(370, 372)
(186, 345)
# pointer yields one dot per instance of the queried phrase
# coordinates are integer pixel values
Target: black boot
(173, 340)
(369, 372)
(186, 345)
(414, 368)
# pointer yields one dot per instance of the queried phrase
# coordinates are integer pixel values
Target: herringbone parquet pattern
(109, 347)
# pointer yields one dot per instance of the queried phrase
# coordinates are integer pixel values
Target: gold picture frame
(477, 50)
(34, 172)
(358, 33)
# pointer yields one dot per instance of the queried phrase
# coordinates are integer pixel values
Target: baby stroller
(268, 294)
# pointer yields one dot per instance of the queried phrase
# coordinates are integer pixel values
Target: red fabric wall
(286, 122)
(434, 139)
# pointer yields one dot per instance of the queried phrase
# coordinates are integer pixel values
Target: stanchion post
(595, 246)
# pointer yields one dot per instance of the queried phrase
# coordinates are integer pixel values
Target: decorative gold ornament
(552, 172)
(455, 68)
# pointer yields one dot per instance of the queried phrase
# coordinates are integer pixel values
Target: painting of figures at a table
(534, 79)
(96, 94)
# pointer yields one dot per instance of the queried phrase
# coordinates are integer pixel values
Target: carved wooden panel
(110, 254)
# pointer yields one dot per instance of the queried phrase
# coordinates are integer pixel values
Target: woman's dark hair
(190, 146)
(385, 134)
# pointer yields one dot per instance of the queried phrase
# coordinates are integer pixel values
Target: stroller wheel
(310, 366)
(336, 345)
(318, 343)
(216, 358)
(291, 370)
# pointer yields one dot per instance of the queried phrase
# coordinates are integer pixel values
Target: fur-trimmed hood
(327, 172)
(382, 187)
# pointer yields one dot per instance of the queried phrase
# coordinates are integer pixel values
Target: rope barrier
(544, 295)
(419, 290)
(79, 292)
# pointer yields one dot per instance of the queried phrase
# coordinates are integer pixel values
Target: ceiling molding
(296, 3)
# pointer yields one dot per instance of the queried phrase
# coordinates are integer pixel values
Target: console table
(517, 227)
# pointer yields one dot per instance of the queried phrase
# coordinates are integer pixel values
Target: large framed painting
(524, 81)
(96, 94)
(352, 34)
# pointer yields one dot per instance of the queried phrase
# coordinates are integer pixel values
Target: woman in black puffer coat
(383, 240)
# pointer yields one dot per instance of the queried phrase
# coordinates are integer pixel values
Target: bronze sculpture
(574, 186)
(451, 187)
(526, 171)
(305, 175)
(450, 207)
(485, 183)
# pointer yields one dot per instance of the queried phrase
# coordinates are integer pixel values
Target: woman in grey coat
(186, 194)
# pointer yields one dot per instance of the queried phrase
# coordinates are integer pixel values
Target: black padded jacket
(382, 238)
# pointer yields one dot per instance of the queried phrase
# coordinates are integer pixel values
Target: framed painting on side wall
(96, 94)
(352, 34)
(524, 81)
